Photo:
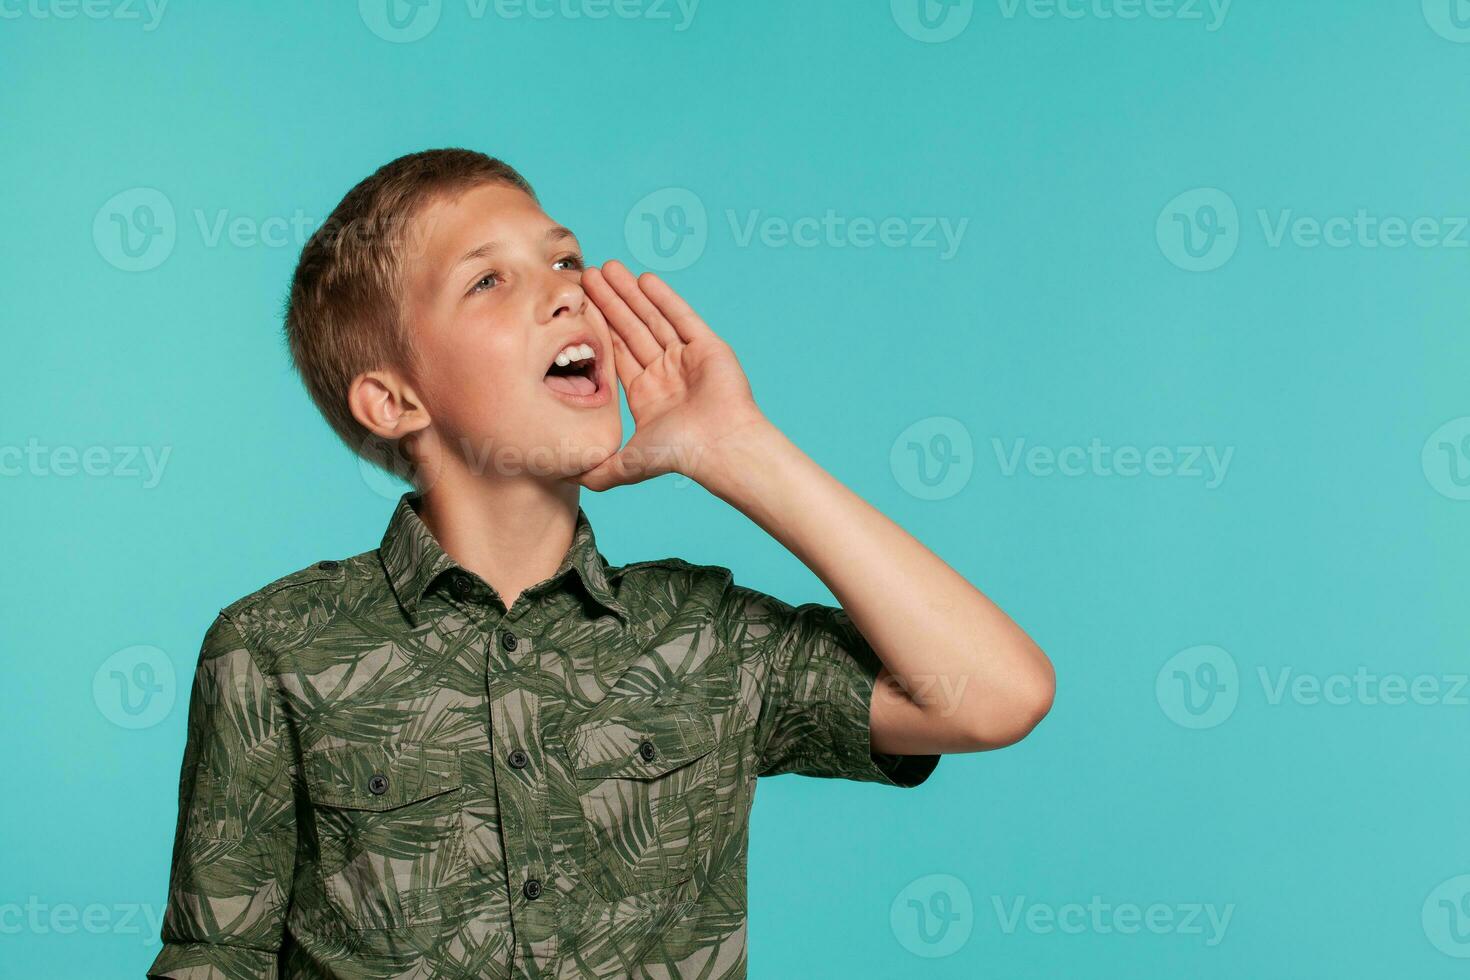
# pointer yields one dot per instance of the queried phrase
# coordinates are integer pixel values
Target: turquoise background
(1336, 540)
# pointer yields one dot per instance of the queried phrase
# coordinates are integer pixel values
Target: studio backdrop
(1151, 317)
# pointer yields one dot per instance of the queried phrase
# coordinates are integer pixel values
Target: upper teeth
(573, 352)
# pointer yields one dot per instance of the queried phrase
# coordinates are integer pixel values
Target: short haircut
(344, 315)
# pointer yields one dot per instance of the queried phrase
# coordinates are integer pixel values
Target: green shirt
(388, 774)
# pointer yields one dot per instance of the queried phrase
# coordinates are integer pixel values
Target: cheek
(478, 378)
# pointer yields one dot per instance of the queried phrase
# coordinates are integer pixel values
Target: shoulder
(294, 603)
(670, 577)
(741, 611)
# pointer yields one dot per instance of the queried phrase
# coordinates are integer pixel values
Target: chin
(569, 452)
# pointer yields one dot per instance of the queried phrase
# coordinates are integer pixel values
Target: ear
(386, 405)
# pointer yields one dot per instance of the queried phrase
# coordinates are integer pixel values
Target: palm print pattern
(389, 775)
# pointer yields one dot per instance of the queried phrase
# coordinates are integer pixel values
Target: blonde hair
(344, 313)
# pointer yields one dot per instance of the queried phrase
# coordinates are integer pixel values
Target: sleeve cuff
(207, 961)
(849, 722)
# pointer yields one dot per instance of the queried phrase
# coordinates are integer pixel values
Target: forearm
(975, 673)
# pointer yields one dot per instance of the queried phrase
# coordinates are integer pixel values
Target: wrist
(731, 466)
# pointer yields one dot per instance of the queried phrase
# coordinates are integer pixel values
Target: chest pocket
(389, 829)
(645, 781)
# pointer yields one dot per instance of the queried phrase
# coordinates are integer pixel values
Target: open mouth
(574, 370)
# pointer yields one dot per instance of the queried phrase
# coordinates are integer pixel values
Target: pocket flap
(642, 745)
(381, 777)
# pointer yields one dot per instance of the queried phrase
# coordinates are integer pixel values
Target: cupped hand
(685, 388)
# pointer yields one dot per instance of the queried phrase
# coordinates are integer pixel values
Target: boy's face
(492, 295)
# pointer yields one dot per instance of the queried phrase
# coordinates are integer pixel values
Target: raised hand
(685, 388)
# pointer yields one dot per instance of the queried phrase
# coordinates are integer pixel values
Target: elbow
(1015, 712)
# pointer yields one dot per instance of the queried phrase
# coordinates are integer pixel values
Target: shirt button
(532, 888)
(460, 585)
(508, 640)
(327, 566)
(646, 749)
(378, 784)
(518, 759)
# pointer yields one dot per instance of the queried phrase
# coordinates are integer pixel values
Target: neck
(511, 533)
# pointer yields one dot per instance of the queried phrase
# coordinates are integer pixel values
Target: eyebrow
(487, 249)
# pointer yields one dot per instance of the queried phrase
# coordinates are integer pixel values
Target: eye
(485, 282)
(573, 261)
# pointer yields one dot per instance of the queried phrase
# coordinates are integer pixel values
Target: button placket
(523, 799)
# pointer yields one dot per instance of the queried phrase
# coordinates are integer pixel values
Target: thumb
(615, 471)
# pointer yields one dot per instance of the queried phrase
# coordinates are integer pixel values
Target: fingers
(686, 322)
(623, 359)
(632, 295)
(641, 344)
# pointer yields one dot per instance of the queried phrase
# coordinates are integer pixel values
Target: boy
(481, 751)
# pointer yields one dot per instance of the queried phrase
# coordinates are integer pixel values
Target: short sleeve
(235, 839)
(813, 674)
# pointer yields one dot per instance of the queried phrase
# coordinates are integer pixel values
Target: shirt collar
(413, 559)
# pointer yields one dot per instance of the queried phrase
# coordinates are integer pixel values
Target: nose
(564, 298)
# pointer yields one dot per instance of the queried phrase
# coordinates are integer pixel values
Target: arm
(958, 674)
(235, 839)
